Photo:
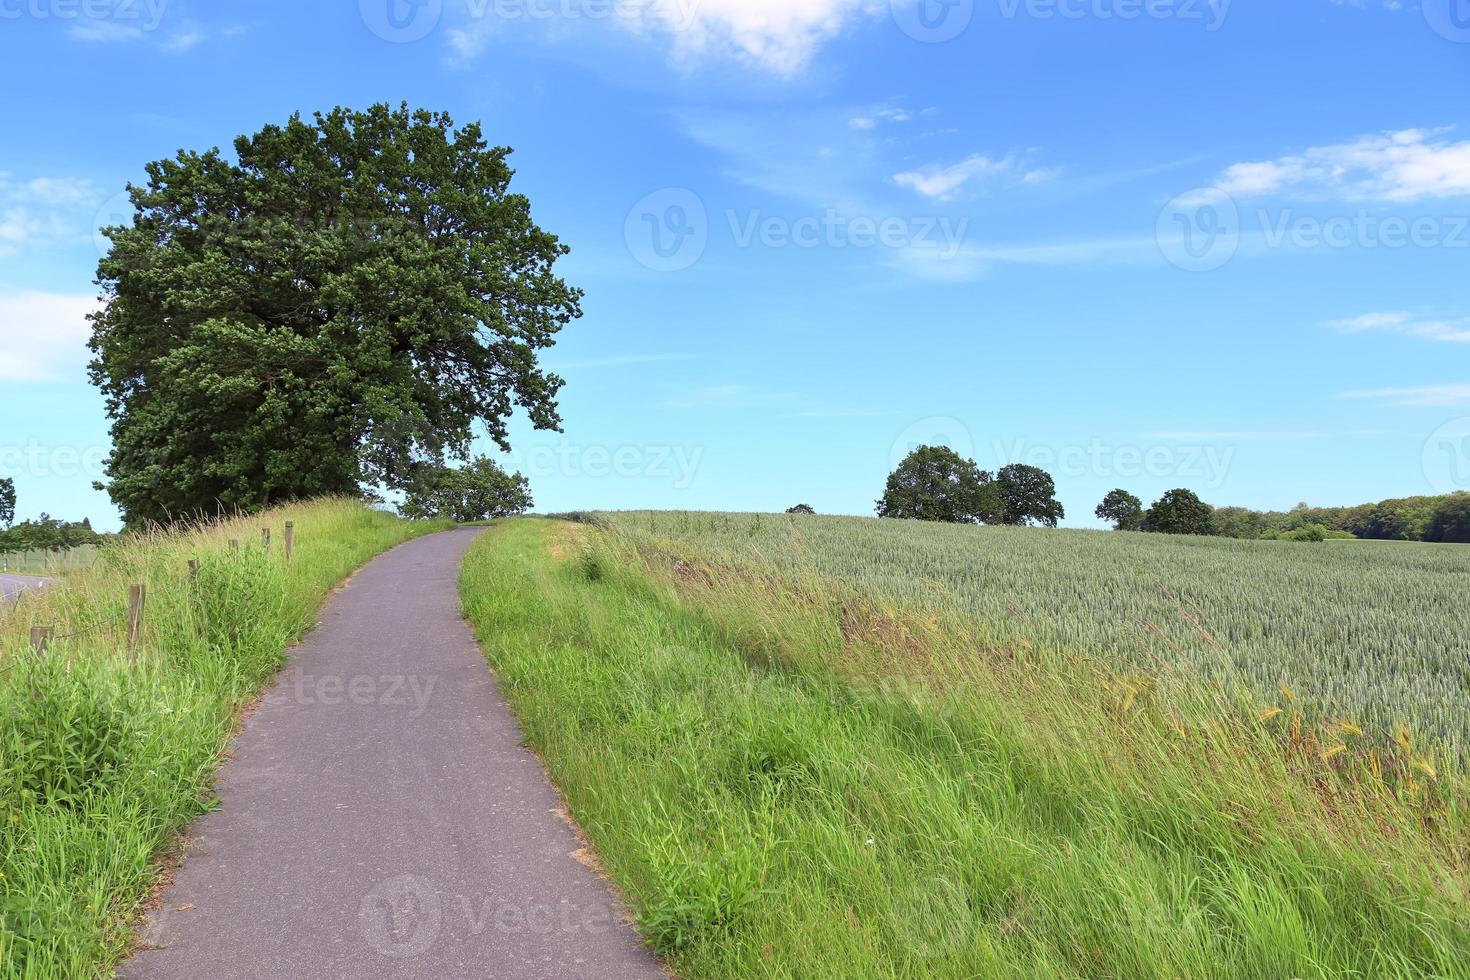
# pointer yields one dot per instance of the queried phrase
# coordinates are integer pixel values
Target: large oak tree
(339, 305)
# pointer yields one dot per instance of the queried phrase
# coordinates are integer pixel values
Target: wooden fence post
(290, 535)
(193, 570)
(40, 636)
(265, 538)
(136, 597)
(234, 545)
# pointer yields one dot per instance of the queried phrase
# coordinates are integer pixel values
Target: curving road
(13, 585)
(381, 818)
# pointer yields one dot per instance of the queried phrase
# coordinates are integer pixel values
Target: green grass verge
(102, 761)
(787, 786)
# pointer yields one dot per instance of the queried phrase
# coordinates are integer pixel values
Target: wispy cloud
(724, 396)
(1407, 165)
(43, 210)
(146, 27)
(43, 336)
(622, 360)
(943, 182)
(1434, 396)
(969, 262)
(1452, 331)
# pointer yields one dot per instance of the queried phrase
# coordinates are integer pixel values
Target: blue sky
(1142, 243)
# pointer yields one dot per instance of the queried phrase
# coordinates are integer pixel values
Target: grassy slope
(1369, 630)
(787, 782)
(101, 763)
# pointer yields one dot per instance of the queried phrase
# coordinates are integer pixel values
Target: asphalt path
(381, 818)
(13, 585)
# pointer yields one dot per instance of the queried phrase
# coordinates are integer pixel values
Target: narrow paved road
(380, 817)
(13, 585)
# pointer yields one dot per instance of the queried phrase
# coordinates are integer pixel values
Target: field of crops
(1373, 631)
(49, 562)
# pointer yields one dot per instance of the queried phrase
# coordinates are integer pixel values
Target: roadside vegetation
(1373, 634)
(799, 757)
(104, 756)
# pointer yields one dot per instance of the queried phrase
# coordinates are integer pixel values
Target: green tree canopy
(1027, 495)
(1179, 512)
(1451, 520)
(935, 483)
(7, 502)
(801, 509)
(343, 303)
(478, 491)
(1124, 510)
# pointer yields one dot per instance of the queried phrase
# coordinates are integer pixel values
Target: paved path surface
(381, 819)
(13, 585)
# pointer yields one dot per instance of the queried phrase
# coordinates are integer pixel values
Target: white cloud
(943, 182)
(42, 210)
(779, 36)
(1408, 165)
(1454, 331)
(970, 262)
(98, 31)
(183, 41)
(1433, 396)
(43, 336)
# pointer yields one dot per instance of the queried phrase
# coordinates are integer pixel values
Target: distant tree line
(935, 483)
(1439, 519)
(45, 533)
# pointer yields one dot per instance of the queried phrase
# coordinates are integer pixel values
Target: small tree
(801, 509)
(478, 491)
(1027, 494)
(7, 502)
(935, 483)
(1180, 511)
(1123, 509)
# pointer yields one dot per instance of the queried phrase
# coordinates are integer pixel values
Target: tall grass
(1370, 631)
(791, 779)
(104, 755)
